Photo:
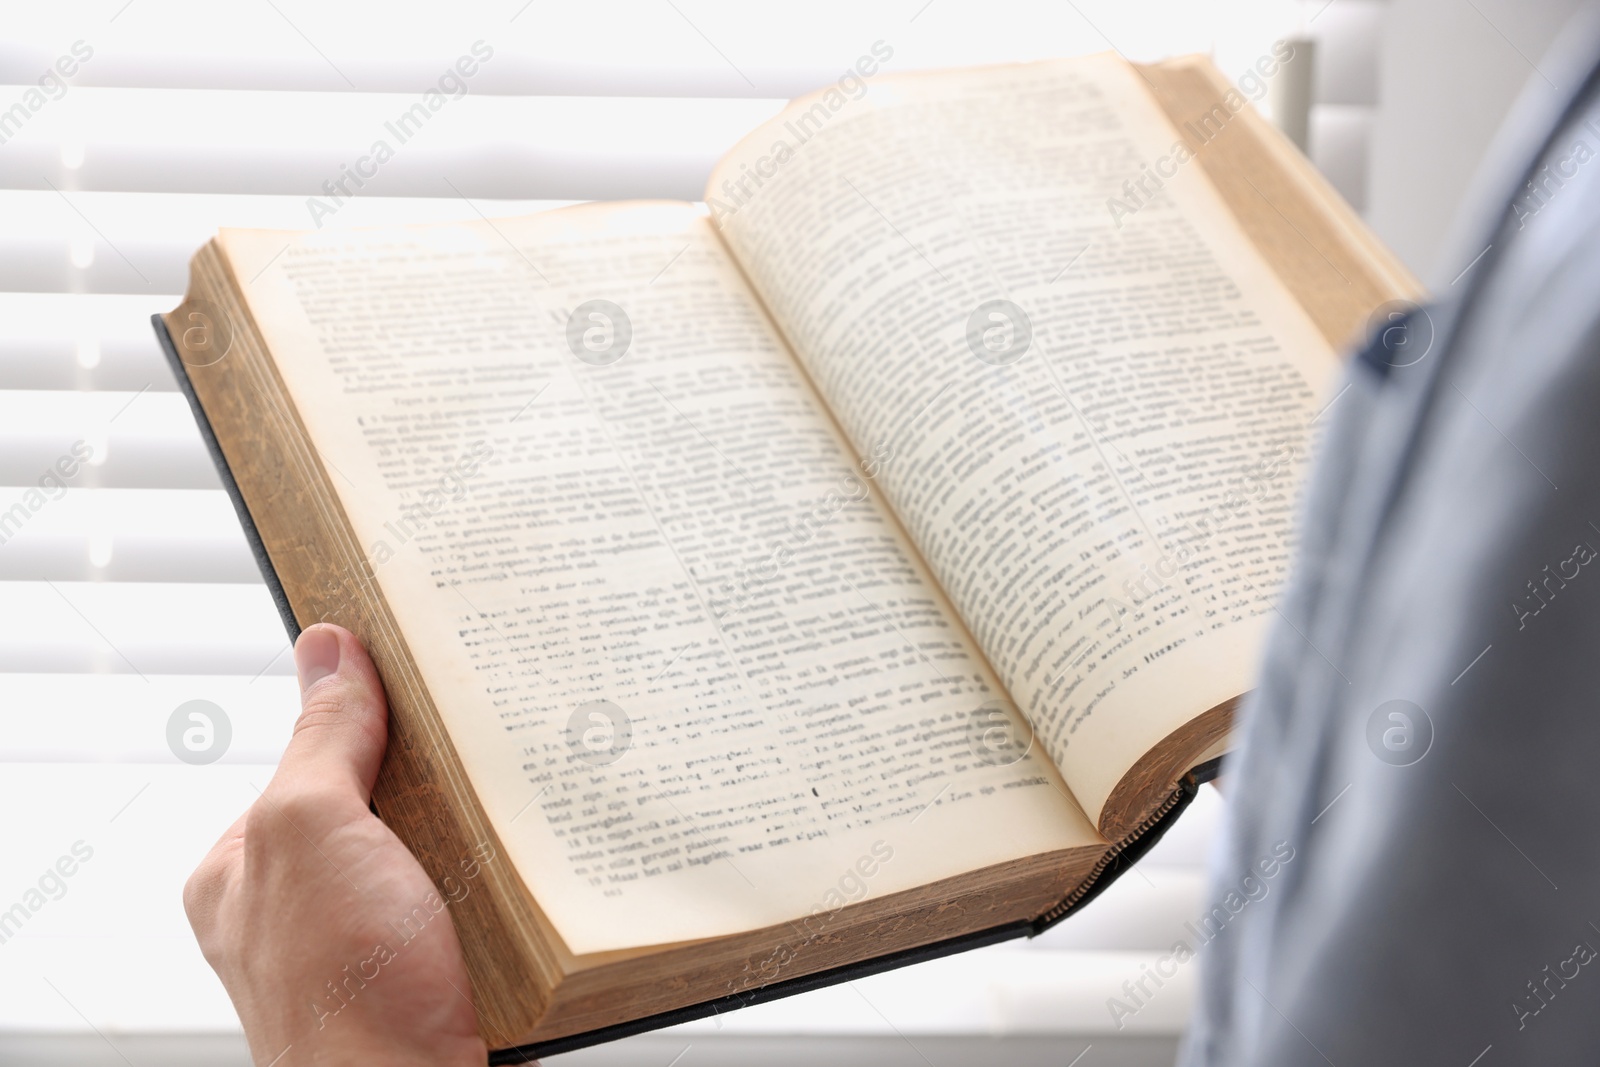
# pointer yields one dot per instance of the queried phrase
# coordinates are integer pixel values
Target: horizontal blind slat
(225, 141)
(122, 718)
(77, 341)
(98, 242)
(632, 47)
(123, 535)
(141, 628)
(131, 440)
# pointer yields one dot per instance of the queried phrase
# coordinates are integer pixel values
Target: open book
(847, 570)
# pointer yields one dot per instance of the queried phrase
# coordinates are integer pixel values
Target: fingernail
(316, 655)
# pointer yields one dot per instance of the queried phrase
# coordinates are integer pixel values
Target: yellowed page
(679, 534)
(1102, 484)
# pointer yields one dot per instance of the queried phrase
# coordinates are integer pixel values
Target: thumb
(342, 731)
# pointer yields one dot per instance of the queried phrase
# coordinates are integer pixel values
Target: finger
(340, 736)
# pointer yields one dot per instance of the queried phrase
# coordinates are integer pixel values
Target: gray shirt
(1425, 739)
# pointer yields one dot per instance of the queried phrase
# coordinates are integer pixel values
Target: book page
(694, 674)
(1100, 392)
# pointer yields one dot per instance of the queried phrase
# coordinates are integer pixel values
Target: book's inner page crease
(694, 672)
(1096, 391)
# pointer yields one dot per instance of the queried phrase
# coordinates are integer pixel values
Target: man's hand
(299, 907)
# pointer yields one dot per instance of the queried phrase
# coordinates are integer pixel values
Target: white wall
(1449, 72)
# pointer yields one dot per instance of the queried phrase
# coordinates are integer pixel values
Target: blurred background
(131, 590)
